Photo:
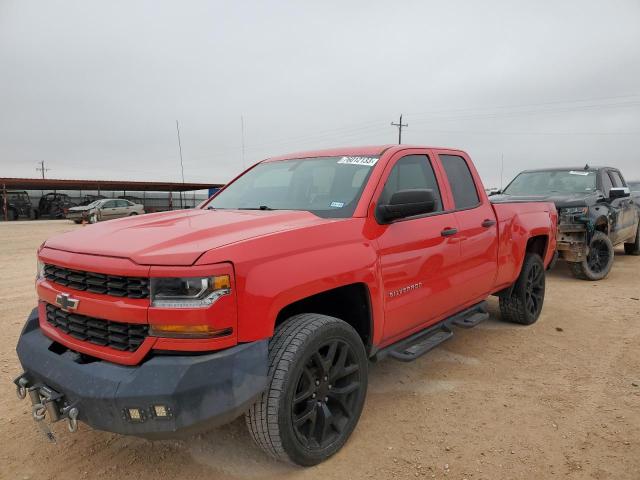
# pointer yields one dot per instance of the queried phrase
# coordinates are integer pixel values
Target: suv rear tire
(598, 262)
(525, 303)
(315, 393)
(633, 248)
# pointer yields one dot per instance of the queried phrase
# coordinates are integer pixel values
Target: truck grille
(121, 336)
(117, 286)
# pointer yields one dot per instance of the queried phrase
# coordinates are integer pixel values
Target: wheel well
(538, 244)
(350, 303)
(601, 225)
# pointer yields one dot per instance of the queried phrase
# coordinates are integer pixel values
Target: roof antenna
(586, 167)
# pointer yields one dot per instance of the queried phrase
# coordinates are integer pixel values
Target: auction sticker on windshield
(573, 172)
(368, 161)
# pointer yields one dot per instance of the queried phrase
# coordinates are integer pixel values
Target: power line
(400, 125)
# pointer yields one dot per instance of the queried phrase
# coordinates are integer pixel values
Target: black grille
(132, 287)
(121, 336)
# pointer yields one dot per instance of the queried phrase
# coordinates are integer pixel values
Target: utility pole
(181, 164)
(400, 125)
(42, 169)
(242, 133)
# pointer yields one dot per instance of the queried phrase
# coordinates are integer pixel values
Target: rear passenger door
(416, 259)
(123, 208)
(108, 210)
(477, 228)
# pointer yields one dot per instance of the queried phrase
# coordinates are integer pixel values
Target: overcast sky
(94, 88)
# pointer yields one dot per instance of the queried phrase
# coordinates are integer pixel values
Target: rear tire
(525, 303)
(633, 248)
(598, 262)
(316, 390)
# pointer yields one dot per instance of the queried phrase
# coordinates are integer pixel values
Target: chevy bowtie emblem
(66, 302)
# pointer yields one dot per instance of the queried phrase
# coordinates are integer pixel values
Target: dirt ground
(559, 399)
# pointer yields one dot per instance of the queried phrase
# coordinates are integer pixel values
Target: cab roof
(367, 150)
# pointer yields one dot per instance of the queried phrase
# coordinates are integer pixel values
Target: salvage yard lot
(559, 399)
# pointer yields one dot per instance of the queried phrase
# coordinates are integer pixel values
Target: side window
(617, 179)
(463, 187)
(606, 184)
(412, 171)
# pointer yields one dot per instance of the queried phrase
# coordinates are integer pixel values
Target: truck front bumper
(165, 396)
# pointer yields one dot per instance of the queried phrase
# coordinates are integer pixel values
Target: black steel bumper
(196, 391)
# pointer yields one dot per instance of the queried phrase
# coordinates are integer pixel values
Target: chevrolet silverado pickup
(272, 298)
(596, 212)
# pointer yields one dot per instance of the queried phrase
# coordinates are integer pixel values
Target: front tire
(316, 390)
(633, 248)
(524, 305)
(598, 262)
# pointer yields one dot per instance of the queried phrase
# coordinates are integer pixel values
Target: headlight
(574, 211)
(39, 269)
(188, 292)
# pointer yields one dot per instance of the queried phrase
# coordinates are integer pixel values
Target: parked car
(597, 212)
(54, 205)
(18, 205)
(271, 298)
(104, 209)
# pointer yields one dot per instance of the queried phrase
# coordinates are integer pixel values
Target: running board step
(471, 320)
(471, 316)
(417, 345)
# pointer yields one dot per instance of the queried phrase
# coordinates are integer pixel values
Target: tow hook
(45, 401)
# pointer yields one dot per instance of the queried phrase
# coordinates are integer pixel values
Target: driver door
(417, 254)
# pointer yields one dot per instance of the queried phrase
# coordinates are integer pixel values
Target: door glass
(606, 184)
(463, 187)
(617, 179)
(411, 172)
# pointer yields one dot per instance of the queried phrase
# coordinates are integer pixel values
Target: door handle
(447, 232)
(488, 223)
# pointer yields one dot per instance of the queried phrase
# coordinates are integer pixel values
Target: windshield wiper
(261, 207)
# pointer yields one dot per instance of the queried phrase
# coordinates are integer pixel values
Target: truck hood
(560, 200)
(178, 237)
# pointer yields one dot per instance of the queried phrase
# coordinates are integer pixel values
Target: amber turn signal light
(188, 331)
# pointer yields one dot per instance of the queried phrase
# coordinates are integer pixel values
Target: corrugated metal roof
(107, 185)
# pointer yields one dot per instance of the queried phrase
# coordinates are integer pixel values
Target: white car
(104, 209)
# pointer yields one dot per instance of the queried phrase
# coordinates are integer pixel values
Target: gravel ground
(560, 399)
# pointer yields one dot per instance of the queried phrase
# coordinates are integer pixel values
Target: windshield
(552, 181)
(325, 186)
(95, 203)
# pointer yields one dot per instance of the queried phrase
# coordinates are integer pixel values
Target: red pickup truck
(273, 296)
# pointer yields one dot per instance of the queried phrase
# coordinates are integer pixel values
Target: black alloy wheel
(599, 256)
(534, 291)
(523, 302)
(326, 395)
(317, 384)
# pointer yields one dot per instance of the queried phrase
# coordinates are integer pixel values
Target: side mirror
(619, 192)
(407, 203)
